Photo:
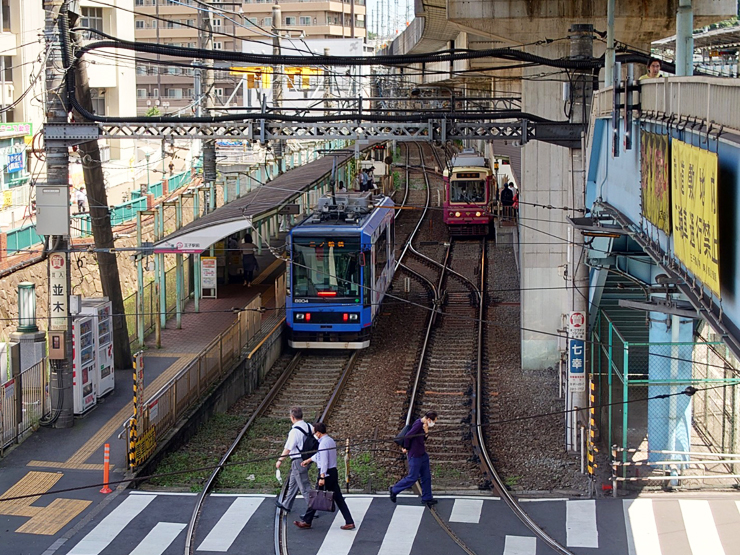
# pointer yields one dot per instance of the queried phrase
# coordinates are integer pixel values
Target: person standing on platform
(415, 449)
(249, 260)
(653, 69)
(81, 198)
(298, 473)
(326, 460)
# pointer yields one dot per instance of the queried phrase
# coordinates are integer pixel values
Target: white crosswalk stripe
(467, 510)
(230, 524)
(399, 538)
(159, 539)
(142, 524)
(642, 532)
(580, 524)
(520, 545)
(112, 525)
(700, 527)
(338, 541)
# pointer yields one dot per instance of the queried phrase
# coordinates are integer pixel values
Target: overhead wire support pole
(57, 177)
(277, 82)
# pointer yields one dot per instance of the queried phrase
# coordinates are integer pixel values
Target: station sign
(577, 352)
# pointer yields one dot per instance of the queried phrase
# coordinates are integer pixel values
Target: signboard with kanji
(576, 352)
(58, 294)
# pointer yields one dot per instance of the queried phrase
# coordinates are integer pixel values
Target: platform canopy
(196, 240)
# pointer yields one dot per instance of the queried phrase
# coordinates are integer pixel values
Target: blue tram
(341, 264)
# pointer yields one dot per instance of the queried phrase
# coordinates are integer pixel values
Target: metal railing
(169, 404)
(24, 401)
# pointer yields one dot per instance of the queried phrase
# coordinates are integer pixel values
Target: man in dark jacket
(415, 449)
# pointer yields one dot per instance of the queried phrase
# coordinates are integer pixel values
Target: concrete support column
(669, 420)
(684, 38)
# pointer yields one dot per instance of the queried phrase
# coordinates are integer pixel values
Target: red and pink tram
(469, 198)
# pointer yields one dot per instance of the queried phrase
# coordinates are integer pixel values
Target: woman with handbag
(328, 485)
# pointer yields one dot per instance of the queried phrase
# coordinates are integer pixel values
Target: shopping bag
(321, 500)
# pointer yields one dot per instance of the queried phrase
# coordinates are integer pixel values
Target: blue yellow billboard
(694, 211)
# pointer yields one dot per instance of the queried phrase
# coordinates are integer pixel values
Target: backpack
(310, 443)
(401, 437)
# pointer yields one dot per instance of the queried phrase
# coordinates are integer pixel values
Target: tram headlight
(300, 316)
(354, 317)
(457, 214)
(477, 214)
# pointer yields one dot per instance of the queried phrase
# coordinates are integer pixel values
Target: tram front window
(467, 191)
(326, 267)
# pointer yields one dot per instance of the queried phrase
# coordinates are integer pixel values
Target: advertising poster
(654, 169)
(694, 212)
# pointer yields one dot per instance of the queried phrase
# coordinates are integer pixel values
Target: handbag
(321, 500)
(401, 437)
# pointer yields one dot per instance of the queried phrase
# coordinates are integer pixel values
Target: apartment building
(22, 91)
(161, 89)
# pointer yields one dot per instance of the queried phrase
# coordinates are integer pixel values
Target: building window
(6, 18)
(98, 101)
(93, 18)
(218, 93)
(8, 68)
(290, 21)
(139, 23)
(139, 2)
(174, 93)
(140, 70)
(155, 93)
(218, 45)
(217, 23)
(267, 22)
(140, 93)
(305, 20)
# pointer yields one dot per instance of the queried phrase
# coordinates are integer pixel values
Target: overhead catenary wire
(688, 391)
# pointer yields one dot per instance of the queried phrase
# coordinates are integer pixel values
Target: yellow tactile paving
(33, 482)
(77, 461)
(52, 518)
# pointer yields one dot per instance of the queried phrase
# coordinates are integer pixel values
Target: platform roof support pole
(179, 273)
(609, 57)
(139, 286)
(162, 276)
(197, 295)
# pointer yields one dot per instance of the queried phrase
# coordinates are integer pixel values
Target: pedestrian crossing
(155, 524)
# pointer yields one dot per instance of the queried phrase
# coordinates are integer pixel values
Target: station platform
(72, 459)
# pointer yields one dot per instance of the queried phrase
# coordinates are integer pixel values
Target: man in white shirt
(81, 198)
(298, 474)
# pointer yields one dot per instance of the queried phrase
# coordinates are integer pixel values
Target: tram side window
(381, 253)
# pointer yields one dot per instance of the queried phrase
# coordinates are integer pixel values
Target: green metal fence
(22, 238)
(130, 303)
(620, 371)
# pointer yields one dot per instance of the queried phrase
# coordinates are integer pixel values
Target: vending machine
(83, 364)
(101, 312)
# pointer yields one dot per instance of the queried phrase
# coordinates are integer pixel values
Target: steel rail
(212, 478)
(479, 439)
(281, 518)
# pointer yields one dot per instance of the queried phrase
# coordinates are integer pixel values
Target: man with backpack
(300, 445)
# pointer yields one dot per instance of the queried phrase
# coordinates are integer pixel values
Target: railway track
(313, 382)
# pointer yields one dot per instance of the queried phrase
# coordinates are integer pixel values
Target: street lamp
(27, 307)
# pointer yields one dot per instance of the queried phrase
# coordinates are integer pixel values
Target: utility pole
(57, 177)
(277, 79)
(209, 145)
(582, 84)
(97, 198)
